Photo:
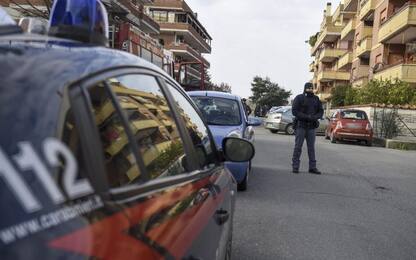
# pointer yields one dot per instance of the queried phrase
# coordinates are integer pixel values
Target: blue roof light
(82, 20)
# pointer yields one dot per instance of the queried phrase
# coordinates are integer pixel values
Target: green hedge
(389, 92)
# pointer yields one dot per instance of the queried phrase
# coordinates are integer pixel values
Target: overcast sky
(261, 37)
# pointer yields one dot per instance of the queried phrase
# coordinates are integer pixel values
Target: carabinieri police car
(102, 154)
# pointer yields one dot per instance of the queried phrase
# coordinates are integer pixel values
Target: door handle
(221, 216)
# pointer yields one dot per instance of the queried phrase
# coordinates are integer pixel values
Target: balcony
(332, 75)
(364, 47)
(330, 55)
(350, 5)
(145, 23)
(367, 8)
(345, 60)
(187, 52)
(400, 27)
(192, 37)
(365, 32)
(347, 33)
(405, 72)
(330, 33)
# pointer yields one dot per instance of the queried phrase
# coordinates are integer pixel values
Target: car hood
(220, 132)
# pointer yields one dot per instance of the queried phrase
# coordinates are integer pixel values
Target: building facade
(363, 40)
(183, 34)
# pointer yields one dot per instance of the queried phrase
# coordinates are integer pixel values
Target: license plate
(354, 126)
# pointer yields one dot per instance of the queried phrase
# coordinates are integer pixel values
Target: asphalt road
(362, 207)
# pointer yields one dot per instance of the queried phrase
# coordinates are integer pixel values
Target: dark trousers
(301, 135)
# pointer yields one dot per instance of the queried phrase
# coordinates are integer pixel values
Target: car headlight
(236, 134)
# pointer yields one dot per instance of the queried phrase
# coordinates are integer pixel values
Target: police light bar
(80, 20)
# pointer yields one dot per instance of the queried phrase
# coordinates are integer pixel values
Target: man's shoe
(296, 171)
(315, 171)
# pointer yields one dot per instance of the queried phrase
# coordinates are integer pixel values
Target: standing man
(247, 108)
(307, 109)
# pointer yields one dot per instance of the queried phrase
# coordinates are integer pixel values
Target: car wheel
(289, 129)
(332, 138)
(273, 131)
(242, 186)
(369, 143)
(326, 135)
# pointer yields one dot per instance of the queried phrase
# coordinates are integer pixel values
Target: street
(362, 207)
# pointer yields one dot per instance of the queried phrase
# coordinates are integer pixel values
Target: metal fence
(388, 123)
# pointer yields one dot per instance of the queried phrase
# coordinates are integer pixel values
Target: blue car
(224, 113)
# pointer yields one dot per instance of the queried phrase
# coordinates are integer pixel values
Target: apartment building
(329, 49)
(131, 28)
(182, 33)
(363, 40)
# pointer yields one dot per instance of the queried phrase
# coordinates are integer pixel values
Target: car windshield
(219, 111)
(358, 115)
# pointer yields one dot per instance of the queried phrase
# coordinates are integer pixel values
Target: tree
(313, 39)
(33, 8)
(389, 92)
(223, 87)
(339, 95)
(267, 94)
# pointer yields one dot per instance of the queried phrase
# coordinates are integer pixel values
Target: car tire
(289, 129)
(369, 143)
(273, 131)
(332, 138)
(326, 135)
(242, 186)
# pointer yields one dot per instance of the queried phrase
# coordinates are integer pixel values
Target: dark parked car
(104, 156)
(349, 125)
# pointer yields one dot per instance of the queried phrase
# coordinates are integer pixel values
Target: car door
(218, 231)
(168, 188)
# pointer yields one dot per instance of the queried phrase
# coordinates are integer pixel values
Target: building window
(160, 16)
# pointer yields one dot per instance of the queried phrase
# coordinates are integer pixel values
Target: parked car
(349, 124)
(224, 114)
(282, 120)
(272, 110)
(104, 156)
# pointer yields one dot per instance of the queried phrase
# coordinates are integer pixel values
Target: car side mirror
(254, 122)
(237, 149)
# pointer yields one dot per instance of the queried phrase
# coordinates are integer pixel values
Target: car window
(219, 111)
(120, 162)
(151, 123)
(334, 115)
(198, 132)
(357, 115)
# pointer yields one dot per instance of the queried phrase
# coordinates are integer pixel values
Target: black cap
(308, 85)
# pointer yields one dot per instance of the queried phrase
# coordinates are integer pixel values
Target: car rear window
(358, 115)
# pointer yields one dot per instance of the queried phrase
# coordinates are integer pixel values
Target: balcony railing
(364, 47)
(367, 6)
(332, 75)
(329, 33)
(398, 23)
(329, 55)
(183, 47)
(404, 72)
(348, 31)
(345, 60)
(192, 32)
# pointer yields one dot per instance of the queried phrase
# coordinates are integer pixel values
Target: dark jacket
(307, 110)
